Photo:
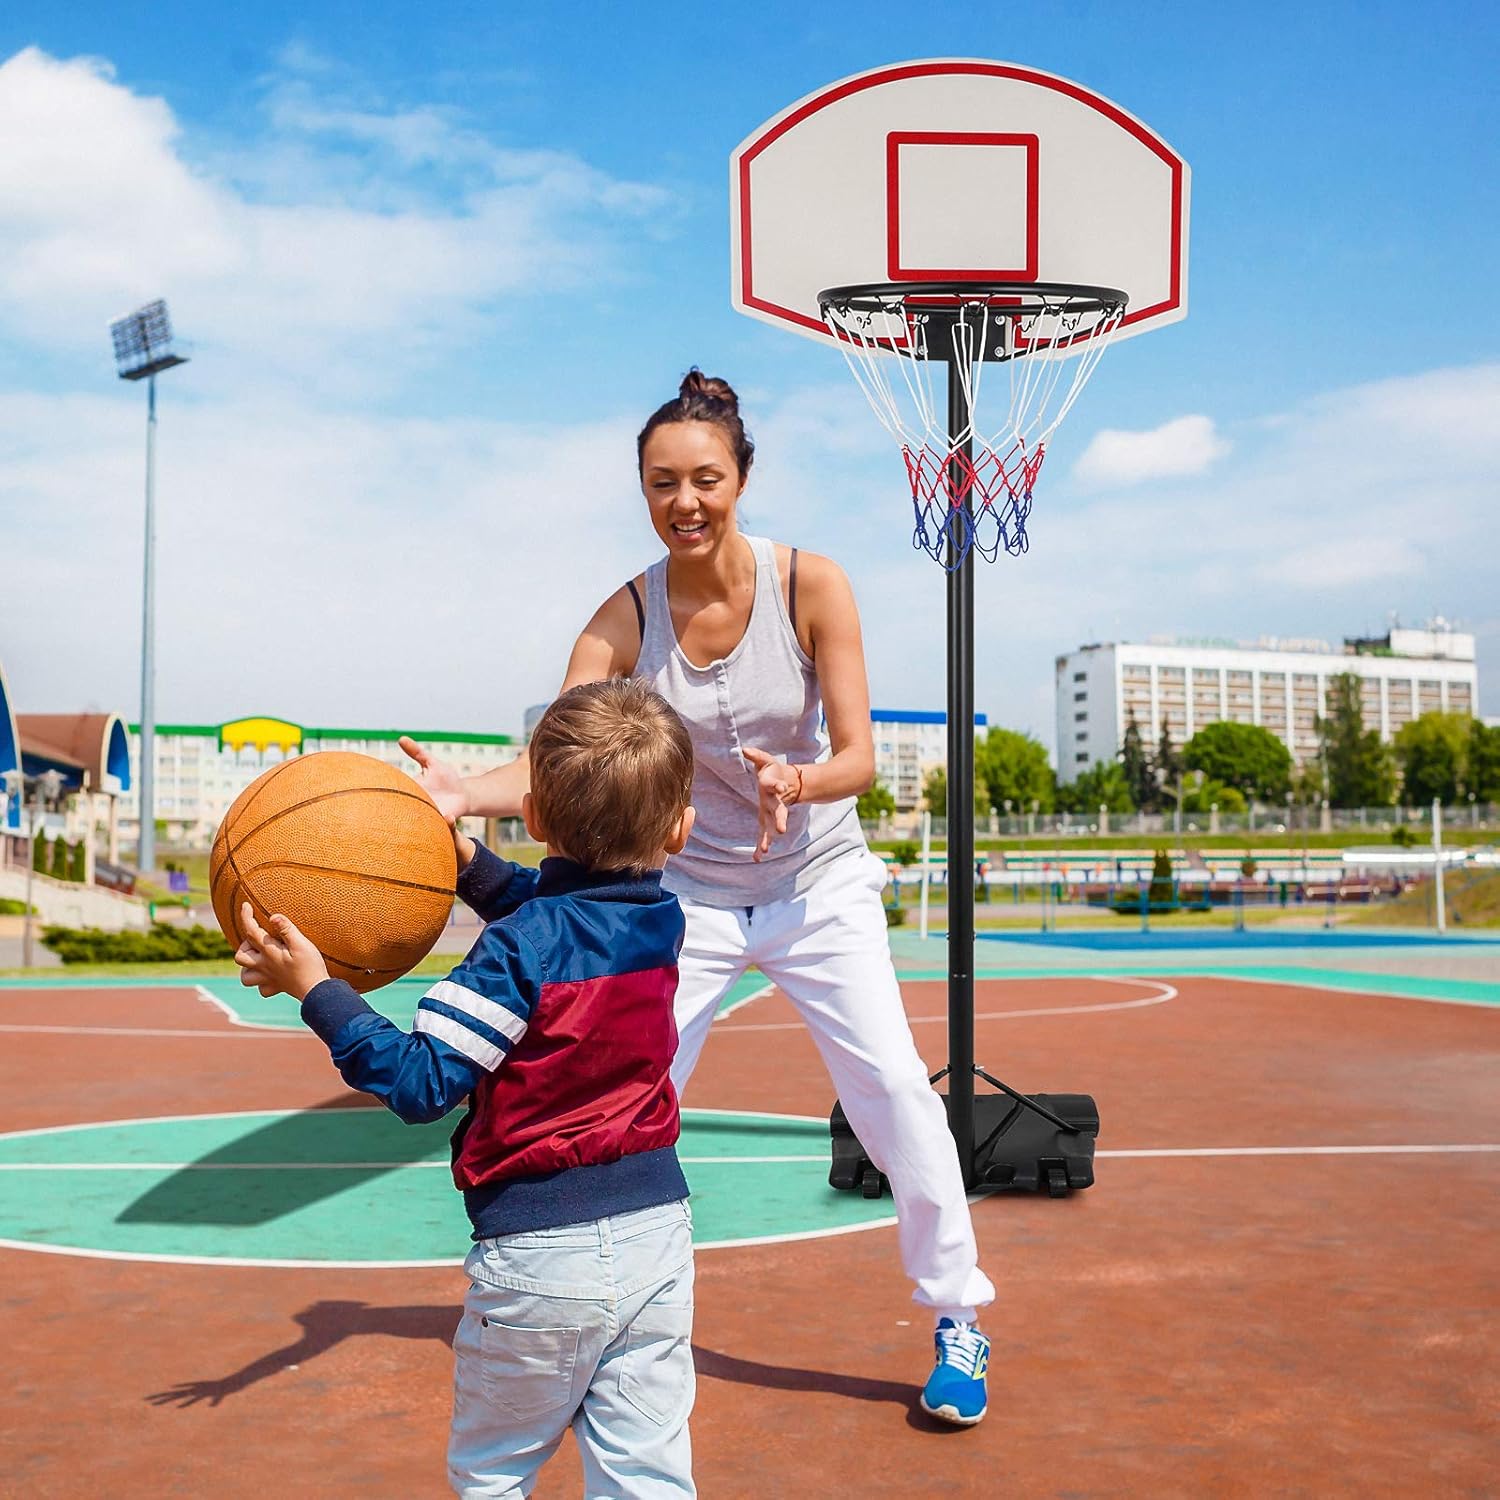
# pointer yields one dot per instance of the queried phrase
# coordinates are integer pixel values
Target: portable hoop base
(1024, 1144)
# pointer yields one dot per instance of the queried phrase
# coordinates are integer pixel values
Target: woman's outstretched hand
(780, 787)
(444, 785)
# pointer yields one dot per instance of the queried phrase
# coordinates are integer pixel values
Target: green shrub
(1248, 867)
(9, 908)
(59, 859)
(160, 944)
(906, 853)
(1161, 892)
(1404, 836)
(895, 916)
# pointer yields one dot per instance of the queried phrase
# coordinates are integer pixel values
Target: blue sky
(436, 270)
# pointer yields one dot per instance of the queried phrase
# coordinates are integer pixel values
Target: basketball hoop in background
(973, 467)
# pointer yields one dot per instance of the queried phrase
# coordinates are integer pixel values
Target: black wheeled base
(1026, 1143)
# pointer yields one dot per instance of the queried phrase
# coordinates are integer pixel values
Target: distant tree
(1484, 761)
(1102, 785)
(1014, 767)
(1433, 753)
(869, 805)
(1135, 762)
(1310, 782)
(1160, 891)
(1357, 764)
(78, 863)
(1201, 794)
(59, 859)
(41, 854)
(935, 792)
(1167, 767)
(1244, 756)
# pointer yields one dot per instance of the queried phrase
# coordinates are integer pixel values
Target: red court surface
(1288, 1321)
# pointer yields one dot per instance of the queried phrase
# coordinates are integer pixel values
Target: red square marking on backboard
(897, 270)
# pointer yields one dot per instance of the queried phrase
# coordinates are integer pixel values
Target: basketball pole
(960, 787)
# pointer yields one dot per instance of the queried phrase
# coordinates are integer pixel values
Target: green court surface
(397, 1002)
(1413, 971)
(357, 1187)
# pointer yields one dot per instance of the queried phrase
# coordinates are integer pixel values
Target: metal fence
(1297, 818)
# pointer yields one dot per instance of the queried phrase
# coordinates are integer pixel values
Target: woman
(753, 643)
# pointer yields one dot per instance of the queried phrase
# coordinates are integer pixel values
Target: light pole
(143, 349)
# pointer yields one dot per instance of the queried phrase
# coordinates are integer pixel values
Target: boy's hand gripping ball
(352, 850)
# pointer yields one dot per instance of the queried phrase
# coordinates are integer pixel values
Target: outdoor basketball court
(1278, 1283)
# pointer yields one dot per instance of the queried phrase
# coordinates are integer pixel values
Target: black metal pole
(960, 794)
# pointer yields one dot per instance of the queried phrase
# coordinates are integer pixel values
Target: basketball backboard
(956, 169)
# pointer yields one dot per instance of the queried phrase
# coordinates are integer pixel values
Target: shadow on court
(327, 1324)
(308, 1156)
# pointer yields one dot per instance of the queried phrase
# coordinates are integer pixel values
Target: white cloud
(1178, 449)
(349, 264)
(356, 570)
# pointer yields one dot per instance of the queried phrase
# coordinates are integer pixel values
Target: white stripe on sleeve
(470, 1043)
(471, 1002)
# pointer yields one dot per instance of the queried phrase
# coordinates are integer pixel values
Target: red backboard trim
(895, 271)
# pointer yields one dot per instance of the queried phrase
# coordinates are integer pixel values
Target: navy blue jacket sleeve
(495, 887)
(418, 1077)
(465, 1026)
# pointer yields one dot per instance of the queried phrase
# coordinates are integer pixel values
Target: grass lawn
(1472, 899)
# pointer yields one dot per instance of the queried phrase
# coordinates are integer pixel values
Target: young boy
(558, 1029)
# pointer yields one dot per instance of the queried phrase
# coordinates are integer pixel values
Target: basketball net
(972, 489)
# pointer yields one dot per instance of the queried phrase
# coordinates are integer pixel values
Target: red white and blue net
(1026, 352)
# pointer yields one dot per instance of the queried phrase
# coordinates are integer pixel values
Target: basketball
(352, 850)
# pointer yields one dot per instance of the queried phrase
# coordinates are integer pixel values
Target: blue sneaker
(955, 1389)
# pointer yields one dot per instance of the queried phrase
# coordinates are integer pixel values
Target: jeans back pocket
(526, 1371)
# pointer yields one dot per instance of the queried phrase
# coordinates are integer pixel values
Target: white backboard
(956, 170)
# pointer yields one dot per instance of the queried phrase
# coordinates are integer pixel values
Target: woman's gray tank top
(764, 695)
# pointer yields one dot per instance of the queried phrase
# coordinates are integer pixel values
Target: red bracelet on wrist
(798, 770)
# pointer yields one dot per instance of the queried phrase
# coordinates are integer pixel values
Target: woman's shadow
(325, 1324)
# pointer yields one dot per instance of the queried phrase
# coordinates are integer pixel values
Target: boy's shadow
(350, 1132)
(325, 1324)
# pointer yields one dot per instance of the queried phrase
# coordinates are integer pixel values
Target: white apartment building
(202, 768)
(1282, 685)
(908, 744)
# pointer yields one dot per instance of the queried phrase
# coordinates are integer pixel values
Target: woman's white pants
(829, 954)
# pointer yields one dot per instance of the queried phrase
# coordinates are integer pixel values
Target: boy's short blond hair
(611, 772)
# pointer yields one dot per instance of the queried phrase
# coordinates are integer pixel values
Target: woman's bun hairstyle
(696, 383)
(703, 398)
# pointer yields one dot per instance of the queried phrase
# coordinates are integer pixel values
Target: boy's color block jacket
(558, 1029)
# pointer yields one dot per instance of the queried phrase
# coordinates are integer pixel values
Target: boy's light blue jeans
(587, 1326)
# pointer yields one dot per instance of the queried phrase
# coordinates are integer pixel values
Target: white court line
(745, 1000)
(1167, 992)
(265, 1033)
(301, 1109)
(334, 1166)
(1300, 1150)
(204, 993)
(720, 1161)
(1355, 989)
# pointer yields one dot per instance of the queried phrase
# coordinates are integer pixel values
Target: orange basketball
(351, 850)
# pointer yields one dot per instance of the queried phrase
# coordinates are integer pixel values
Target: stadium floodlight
(143, 342)
(143, 349)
